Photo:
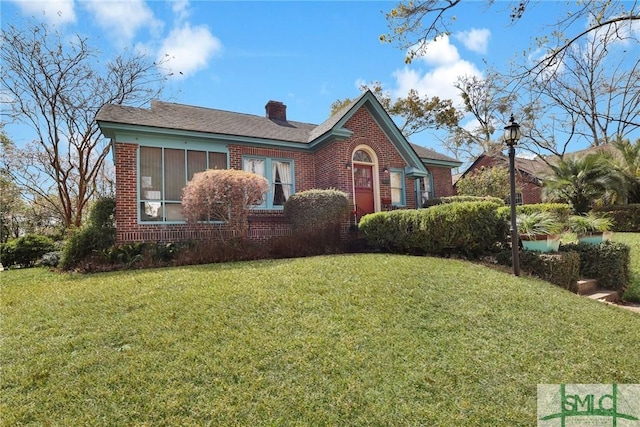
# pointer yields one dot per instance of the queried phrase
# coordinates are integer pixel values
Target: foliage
(98, 234)
(462, 198)
(624, 217)
(589, 223)
(608, 263)
(468, 229)
(317, 208)
(56, 85)
(580, 181)
(369, 339)
(25, 250)
(492, 181)
(223, 195)
(560, 211)
(415, 113)
(562, 268)
(51, 259)
(535, 223)
(632, 293)
(628, 163)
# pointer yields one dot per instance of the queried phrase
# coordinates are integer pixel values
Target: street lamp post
(511, 136)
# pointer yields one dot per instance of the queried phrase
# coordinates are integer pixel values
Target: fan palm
(579, 181)
(628, 164)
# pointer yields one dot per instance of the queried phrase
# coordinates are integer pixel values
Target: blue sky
(239, 55)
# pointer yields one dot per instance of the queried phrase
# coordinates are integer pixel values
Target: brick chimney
(276, 110)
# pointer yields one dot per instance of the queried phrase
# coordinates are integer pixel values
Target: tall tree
(413, 23)
(56, 84)
(627, 162)
(413, 113)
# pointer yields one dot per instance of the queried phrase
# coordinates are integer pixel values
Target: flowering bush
(223, 195)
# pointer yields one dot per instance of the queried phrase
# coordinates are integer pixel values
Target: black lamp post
(511, 136)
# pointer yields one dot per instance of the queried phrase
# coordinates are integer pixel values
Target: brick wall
(442, 185)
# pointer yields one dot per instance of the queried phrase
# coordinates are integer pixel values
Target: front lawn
(338, 340)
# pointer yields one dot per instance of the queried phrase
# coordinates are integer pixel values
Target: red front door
(363, 185)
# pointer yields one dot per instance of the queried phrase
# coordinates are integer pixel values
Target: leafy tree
(582, 181)
(491, 181)
(56, 84)
(223, 195)
(414, 113)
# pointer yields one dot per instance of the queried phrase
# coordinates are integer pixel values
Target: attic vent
(276, 110)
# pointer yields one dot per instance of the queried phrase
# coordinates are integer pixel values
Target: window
(362, 156)
(518, 199)
(397, 187)
(164, 172)
(426, 191)
(279, 173)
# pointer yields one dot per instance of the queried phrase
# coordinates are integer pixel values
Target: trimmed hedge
(626, 218)
(560, 211)
(459, 199)
(25, 250)
(469, 229)
(317, 208)
(608, 263)
(561, 268)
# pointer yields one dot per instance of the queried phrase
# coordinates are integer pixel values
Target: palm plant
(579, 181)
(589, 223)
(537, 223)
(628, 164)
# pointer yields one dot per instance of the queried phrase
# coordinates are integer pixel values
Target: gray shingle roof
(168, 115)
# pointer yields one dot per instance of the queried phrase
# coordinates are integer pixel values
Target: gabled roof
(534, 168)
(166, 117)
(430, 156)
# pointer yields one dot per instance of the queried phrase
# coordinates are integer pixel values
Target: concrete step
(604, 295)
(587, 286)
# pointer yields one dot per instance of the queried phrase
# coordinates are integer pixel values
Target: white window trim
(268, 171)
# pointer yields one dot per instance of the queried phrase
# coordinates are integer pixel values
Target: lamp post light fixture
(511, 136)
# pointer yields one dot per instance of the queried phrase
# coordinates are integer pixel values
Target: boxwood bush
(458, 199)
(560, 211)
(608, 263)
(317, 208)
(469, 229)
(26, 250)
(561, 268)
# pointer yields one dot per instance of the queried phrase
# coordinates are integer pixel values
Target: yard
(367, 339)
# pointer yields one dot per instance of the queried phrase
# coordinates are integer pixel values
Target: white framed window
(518, 199)
(163, 173)
(279, 173)
(396, 178)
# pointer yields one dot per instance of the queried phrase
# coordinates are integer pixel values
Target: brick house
(529, 173)
(358, 150)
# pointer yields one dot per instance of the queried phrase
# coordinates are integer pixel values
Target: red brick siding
(531, 190)
(324, 169)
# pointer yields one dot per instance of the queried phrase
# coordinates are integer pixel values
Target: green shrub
(608, 262)
(459, 199)
(317, 208)
(560, 211)
(25, 250)
(51, 259)
(98, 234)
(626, 218)
(561, 268)
(466, 228)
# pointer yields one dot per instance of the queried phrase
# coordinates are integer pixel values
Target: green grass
(633, 240)
(335, 340)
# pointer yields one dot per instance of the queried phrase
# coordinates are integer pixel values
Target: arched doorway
(365, 180)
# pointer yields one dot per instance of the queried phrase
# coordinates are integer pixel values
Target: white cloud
(187, 49)
(437, 52)
(52, 11)
(181, 9)
(445, 66)
(122, 19)
(476, 40)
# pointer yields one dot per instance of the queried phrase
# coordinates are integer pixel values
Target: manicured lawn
(336, 340)
(633, 240)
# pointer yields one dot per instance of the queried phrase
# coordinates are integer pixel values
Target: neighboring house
(530, 173)
(358, 150)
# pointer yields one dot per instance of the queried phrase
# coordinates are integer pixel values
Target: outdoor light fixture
(348, 165)
(511, 136)
(385, 170)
